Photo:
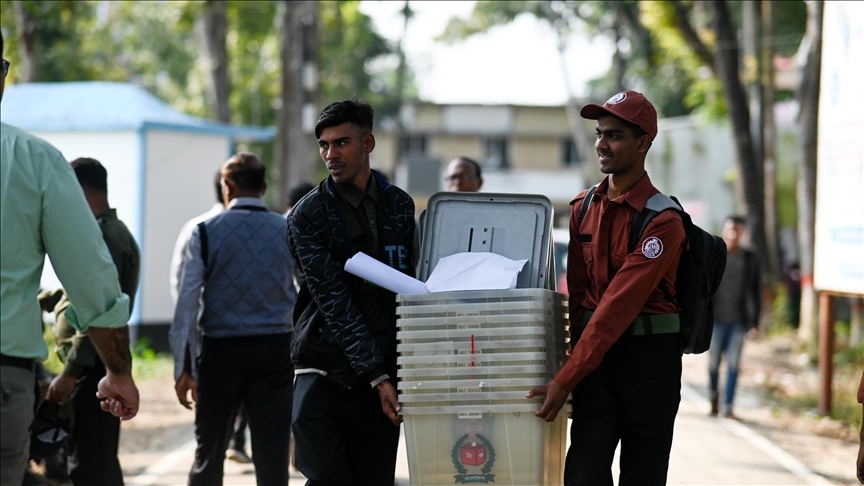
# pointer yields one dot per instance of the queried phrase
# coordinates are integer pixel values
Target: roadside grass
(801, 397)
(146, 363)
(150, 365)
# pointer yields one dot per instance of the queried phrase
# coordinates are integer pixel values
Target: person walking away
(625, 367)
(237, 278)
(737, 306)
(237, 445)
(92, 446)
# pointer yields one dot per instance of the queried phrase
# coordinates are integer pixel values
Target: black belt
(646, 325)
(25, 363)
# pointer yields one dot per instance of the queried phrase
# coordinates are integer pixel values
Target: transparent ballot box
(501, 445)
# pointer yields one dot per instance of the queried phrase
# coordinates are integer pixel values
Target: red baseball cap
(628, 105)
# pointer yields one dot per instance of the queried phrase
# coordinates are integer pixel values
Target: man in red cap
(625, 366)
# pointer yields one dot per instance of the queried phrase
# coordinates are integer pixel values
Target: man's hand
(61, 387)
(185, 384)
(753, 332)
(389, 402)
(555, 398)
(120, 395)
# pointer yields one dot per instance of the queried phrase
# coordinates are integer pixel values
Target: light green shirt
(43, 210)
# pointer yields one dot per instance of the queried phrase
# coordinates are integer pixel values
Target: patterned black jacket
(330, 332)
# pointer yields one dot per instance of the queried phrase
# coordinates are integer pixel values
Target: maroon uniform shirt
(618, 285)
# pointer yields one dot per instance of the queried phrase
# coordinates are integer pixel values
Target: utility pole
(400, 84)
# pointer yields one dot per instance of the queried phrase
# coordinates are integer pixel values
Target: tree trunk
(810, 53)
(749, 168)
(769, 144)
(302, 146)
(27, 45)
(581, 140)
(212, 28)
(619, 64)
(285, 28)
(399, 133)
(295, 155)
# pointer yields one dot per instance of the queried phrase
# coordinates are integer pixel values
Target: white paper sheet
(474, 271)
(382, 275)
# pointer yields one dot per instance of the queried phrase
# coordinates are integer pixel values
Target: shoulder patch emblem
(652, 247)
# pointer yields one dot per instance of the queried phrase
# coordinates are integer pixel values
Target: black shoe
(715, 407)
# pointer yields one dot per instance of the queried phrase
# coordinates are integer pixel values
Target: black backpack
(700, 270)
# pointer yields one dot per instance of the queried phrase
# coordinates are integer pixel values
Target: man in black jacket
(736, 312)
(345, 418)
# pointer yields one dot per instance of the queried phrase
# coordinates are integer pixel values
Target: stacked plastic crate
(466, 361)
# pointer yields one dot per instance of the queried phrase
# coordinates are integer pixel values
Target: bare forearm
(113, 347)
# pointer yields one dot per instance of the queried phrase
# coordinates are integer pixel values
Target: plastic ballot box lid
(516, 226)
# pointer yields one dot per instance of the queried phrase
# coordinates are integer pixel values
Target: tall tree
(769, 143)
(295, 151)
(748, 159)
(810, 68)
(27, 46)
(212, 29)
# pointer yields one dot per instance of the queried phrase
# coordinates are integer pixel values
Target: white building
(161, 166)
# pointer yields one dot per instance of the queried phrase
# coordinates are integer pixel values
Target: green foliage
(154, 44)
(852, 356)
(149, 365)
(487, 15)
(53, 364)
(659, 62)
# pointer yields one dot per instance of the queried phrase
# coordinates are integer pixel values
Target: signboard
(839, 251)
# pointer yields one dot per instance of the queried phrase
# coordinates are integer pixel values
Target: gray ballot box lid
(517, 226)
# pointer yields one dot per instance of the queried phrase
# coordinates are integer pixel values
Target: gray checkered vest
(249, 289)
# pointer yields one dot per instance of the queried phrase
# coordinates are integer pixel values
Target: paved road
(705, 451)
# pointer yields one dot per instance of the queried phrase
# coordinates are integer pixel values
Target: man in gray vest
(240, 262)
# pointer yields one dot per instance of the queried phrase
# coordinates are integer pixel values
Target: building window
(495, 153)
(412, 146)
(569, 154)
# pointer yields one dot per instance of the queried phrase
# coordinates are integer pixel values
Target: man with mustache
(346, 422)
(625, 366)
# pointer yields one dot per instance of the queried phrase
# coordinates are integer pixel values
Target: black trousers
(633, 397)
(259, 375)
(92, 446)
(238, 437)
(341, 436)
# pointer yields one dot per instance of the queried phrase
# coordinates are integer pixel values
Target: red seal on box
(473, 454)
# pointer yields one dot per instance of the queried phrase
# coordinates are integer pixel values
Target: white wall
(119, 152)
(180, 170)
(692, 162)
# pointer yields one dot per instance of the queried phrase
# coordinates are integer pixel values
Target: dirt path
(162, 425)
(822, 444)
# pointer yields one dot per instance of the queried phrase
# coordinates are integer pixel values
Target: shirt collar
(246, 201)
(637, 196)
(354, 195)
(107, 215)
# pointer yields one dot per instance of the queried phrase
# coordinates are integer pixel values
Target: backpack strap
(205, 248)
(653, 206)
(586, 202)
